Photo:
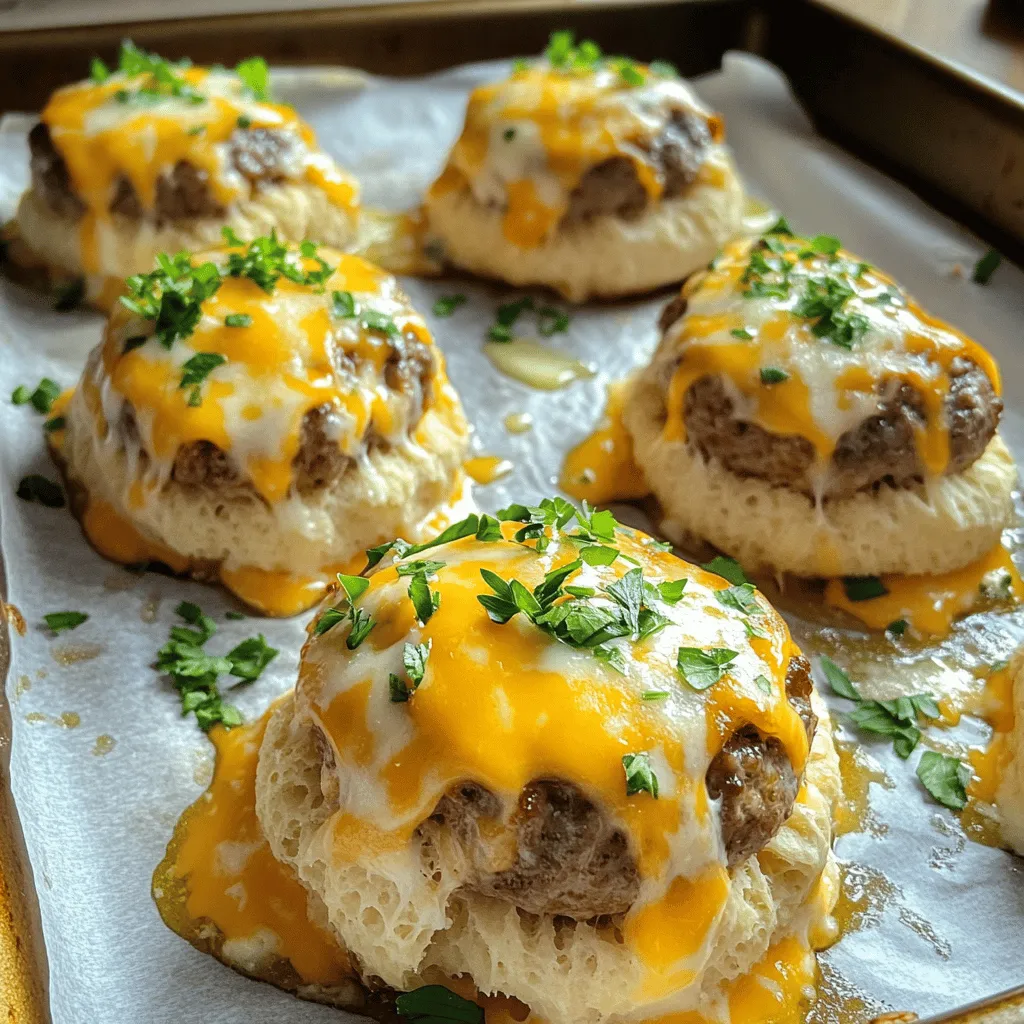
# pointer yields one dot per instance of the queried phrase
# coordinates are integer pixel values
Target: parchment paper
(96, 824)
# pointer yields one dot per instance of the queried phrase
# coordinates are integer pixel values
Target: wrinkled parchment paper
(98, 799)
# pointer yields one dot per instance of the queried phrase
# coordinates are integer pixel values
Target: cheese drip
(989, 763)
(219, 871)
(528, 141)
(504, 705)
(106, 141)
(931, 604)
(292, 355)
(789, 380)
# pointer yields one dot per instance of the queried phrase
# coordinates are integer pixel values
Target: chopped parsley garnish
(69, 295)
(266, 260)
(447, 304)
(37, 488)
(255, 76)
(57, 423)
(551, 320)
(234, 616)
(172, 295)
(823, 302)
(763, 683)
(238, 320)
(196, 370)
(640, 777)
(506, 316)
(728, 568)
(61, 621)
(671, 591)
(195, 673)
(161, 78)
(345, 307)
(414, 657)
(98, 71)
(435, 1004)
(897, 628)
(343, 304)
(424, 600)
(896, 718)
(780, 227)
(655, 695)
(773, 375)
(986, 267)
(362, 622)
(196, 129)
(244, 122)
(42, 399)
(700, 668)
(740, 599)
(742, 333)
(508, 134)
(863, 588)
(945, 777)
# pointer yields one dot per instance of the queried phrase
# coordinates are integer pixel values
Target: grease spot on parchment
(22, 686)
(14, 617)
(149, 609)
(71, 654)
(104, 745)
(65, 720)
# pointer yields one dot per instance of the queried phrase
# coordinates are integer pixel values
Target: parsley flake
(773, 375)
(863, 588)
(447, 304)
(986, 267)
(945, 778)
(238, 320)
(37, 488)
(702, 669)
(58, 622)
(640, 777)
(435, 1004)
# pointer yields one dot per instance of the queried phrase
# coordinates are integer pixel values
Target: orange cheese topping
(601, 467)
(795, 368)
(505, 704)
(989, 763)
(292, 355)
(930, 604)
(232, 879)
(106, 140)
(527, 141)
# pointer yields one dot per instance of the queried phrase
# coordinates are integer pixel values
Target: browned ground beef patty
(612, 186)
(880, 450)
(571, 860)
(319, 462)
(260, 154)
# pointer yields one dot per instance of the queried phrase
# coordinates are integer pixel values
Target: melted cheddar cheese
(989, 763)
(220, 871)
(930, 604)
(107, 137)
(292, 356)
(795, 372)
(291, 352)
(505, 704)
(528, 141)
(601, 467)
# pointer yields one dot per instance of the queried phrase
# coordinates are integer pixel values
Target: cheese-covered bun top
(164, 141)
(265, 366)
(574, 720)
(792, 361)
(576, 135)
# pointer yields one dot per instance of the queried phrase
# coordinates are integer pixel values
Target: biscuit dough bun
(804, 414)
(592, 176)
(261, 413)
(544, 754)
(158, 156)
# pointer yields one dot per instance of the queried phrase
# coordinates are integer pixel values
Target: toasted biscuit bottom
(941, 525)
(604, 257)
(388, 493)
(404, 917)
(296, 211)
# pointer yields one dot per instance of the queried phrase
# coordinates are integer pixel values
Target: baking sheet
(942, 917)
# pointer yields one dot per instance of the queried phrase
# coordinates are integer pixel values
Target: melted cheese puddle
(930, 604)
(219, 871)
(601, 468)
(990, 762)
(536, 365)
(486, 469)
